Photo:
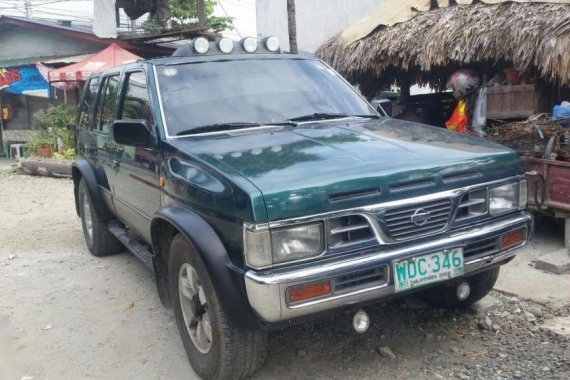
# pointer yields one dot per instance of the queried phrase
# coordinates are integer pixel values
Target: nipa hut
(424, 41)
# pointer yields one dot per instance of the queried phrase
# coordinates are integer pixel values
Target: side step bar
(139, 250)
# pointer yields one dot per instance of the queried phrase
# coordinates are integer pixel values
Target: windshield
(252, 91)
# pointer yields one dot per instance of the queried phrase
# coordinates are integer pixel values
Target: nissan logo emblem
(420, 217)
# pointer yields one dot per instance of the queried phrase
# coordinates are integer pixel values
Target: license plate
(426, 269)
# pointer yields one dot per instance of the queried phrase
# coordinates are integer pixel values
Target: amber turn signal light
(512, 238)
(306, 292)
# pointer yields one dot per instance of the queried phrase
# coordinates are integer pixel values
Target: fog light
(512, 238)
(463, 291)
(361, 322)
(272, 44)
(249, 44)
(306, 292)
(226, 45)
(201, 45)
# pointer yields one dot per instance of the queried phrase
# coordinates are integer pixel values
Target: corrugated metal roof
(23, 61)
(52, 24)
(68, 59)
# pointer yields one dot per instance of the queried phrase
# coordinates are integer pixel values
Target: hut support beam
(405, 88)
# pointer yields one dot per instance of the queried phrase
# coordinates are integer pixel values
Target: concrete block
(558, 325)
(485, 305)
(556, 262)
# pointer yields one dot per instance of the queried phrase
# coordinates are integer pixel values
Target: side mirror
(132, 132)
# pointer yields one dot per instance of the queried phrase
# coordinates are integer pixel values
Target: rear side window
(86, 108)
(136, 102)
(107, 103)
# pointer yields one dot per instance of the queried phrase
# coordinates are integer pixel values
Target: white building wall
(317, 20)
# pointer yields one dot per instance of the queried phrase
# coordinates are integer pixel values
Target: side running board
(138, 249)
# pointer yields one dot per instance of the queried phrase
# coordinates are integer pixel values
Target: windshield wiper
(217, 127)
(325, 116)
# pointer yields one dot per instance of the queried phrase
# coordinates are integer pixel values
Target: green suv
(263, 191)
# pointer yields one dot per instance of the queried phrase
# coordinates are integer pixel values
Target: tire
(99, 240)
(567, 234)
(445, 295)
(226, 352)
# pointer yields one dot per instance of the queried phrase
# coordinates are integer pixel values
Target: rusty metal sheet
(550, 188)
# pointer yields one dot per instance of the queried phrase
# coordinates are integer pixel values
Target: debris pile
(538, 136)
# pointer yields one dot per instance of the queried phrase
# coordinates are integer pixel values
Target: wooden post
(1, 128)
(292, 23)
(405, 88)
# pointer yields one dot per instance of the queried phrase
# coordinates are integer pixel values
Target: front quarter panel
(228, 280)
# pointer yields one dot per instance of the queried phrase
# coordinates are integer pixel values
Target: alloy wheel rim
(88, 218)
(195, 308)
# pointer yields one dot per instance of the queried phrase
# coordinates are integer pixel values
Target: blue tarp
(25, 80)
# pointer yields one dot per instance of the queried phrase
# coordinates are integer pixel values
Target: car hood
(325, 166)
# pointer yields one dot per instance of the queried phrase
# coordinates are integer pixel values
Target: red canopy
(109, 57)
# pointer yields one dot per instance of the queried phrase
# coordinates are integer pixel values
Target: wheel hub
(88, 219)
(194, 306)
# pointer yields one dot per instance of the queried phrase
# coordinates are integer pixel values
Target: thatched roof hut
(427, 45)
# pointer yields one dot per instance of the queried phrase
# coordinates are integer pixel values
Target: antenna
(28, 7)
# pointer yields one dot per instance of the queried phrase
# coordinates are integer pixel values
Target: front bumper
(266, 290)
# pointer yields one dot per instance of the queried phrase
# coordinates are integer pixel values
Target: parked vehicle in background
(264, 191)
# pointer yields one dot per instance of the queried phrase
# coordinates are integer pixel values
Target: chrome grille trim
(348, 231)
(360, 279)
(399, 222)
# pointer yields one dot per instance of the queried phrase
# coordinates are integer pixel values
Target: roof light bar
(249, 44)
(226, 45)
(201, 45)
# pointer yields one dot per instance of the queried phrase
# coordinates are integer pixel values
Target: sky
(81, 12)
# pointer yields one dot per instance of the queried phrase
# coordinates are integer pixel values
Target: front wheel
(445, 295)
(216, 349)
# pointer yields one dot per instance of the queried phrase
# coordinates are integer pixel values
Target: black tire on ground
(233, 353)
(567, 233)
(445, 295)
(100, 242)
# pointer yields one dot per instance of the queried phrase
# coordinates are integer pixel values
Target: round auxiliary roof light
(201, 45)
(272, 44)
(249, 44)
(226, 45)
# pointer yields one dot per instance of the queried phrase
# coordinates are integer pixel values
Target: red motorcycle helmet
(463, 82)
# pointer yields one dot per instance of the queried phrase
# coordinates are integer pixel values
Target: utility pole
(292, 23)
(28, 7)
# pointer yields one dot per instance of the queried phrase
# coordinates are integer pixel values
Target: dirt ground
(67, 315)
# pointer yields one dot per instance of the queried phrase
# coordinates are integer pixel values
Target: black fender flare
(81, 168)
(228, 279)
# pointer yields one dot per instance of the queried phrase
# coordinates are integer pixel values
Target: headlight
(507, 197)
(294, 243)
(264, 248)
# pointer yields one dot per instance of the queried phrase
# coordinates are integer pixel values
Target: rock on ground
(484, 305)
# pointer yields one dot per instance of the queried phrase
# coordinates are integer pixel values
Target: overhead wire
(231, 18)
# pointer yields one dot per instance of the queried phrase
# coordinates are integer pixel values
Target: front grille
(481, 247)
(348, 230)
(360, 279)
(401, 227)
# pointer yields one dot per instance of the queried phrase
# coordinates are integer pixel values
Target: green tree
(185, 12)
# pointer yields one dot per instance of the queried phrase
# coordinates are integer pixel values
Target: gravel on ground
(67, 315)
